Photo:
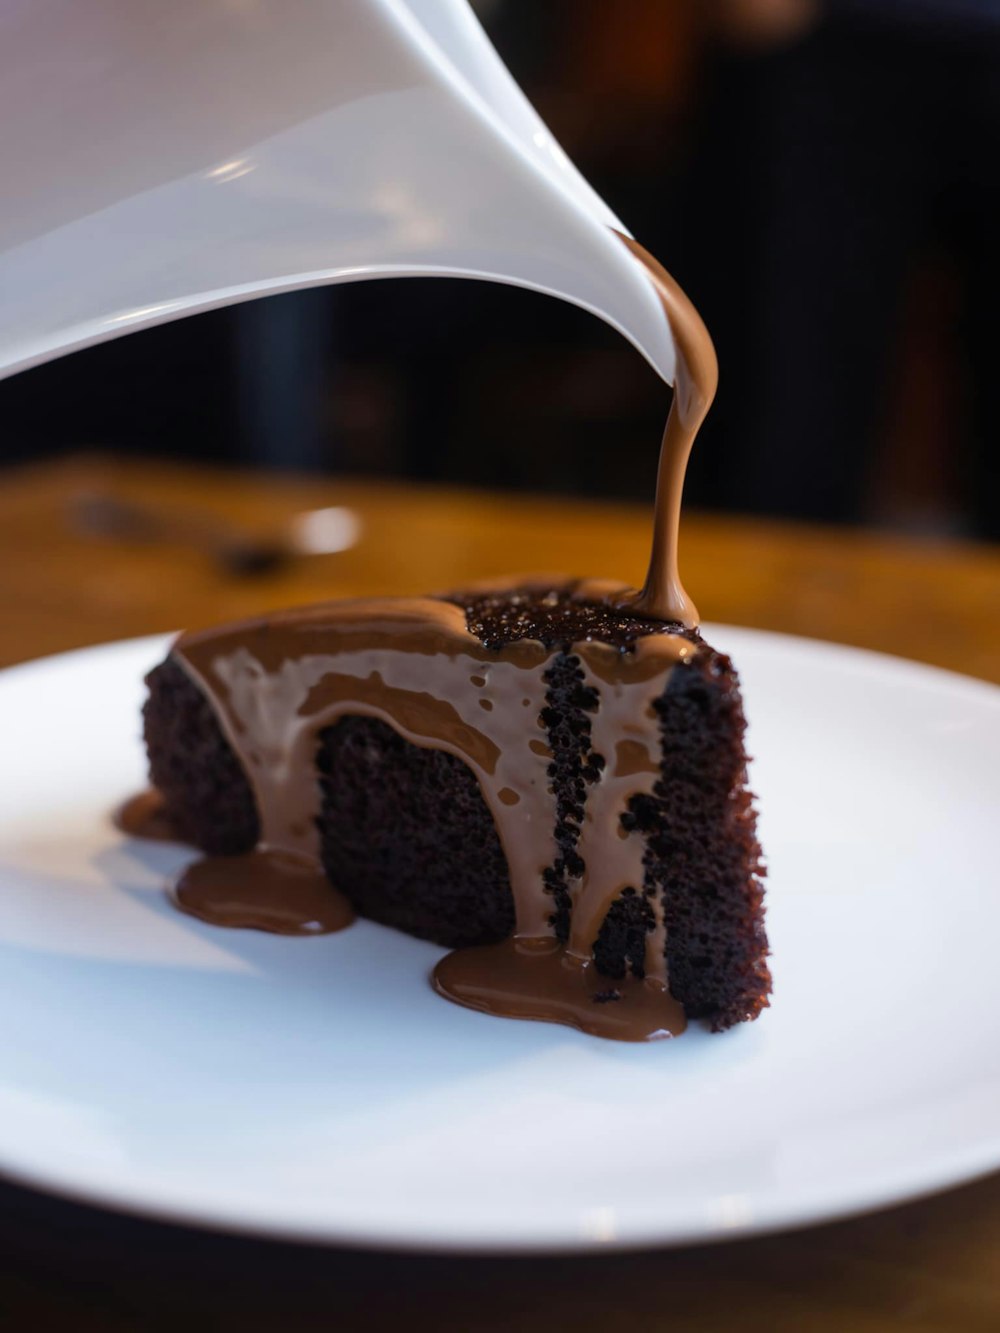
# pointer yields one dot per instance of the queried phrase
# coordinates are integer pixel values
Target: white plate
(318, 1088)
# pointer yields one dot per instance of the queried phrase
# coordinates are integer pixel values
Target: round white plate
(317, 1088)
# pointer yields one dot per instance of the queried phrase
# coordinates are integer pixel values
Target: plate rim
(955, 1171)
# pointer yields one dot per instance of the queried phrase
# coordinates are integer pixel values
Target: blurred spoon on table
(234, 549)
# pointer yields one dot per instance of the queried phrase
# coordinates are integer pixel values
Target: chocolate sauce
(263, 890)
(695, 381)
(145, 816)
(276, 683)
(537, 978)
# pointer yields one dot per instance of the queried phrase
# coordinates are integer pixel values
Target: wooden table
(933, 1265)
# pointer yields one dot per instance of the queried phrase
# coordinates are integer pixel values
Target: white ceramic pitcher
(161, 158)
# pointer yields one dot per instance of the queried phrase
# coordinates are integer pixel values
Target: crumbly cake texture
(406, 834)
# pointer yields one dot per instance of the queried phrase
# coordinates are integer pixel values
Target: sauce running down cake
(548, 777)
(534, 776)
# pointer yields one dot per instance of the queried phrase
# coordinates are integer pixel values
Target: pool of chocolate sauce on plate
(145, 816)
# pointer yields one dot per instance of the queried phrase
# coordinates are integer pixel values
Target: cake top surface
(558, 613)
(528, 615)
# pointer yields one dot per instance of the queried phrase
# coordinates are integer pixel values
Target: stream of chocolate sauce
(696, 379)
(276, 683)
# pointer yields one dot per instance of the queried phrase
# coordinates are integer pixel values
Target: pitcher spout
(228, 152)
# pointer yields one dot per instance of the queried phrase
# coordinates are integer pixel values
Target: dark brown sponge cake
(407, 836)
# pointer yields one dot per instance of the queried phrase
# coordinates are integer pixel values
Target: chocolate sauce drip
(263, 890)
(146, 816)
(537, 978)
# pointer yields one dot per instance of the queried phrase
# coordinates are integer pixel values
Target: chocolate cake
(548, 777)
(535, 777)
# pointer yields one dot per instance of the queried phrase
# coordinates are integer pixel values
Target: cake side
(702, 854)
(407, 837)
(193, 767)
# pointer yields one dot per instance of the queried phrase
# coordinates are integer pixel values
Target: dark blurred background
(821, 177)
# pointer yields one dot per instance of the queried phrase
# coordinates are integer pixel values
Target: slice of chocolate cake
(547, 783)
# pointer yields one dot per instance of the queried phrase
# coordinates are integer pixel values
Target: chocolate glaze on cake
(549, 777)
(536, 720)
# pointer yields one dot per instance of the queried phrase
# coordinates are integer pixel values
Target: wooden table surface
(932, 1265)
